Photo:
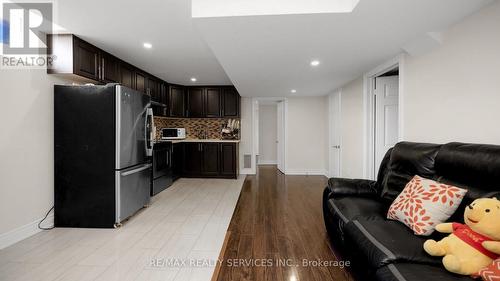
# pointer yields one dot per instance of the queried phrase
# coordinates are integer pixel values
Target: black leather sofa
(379, 249)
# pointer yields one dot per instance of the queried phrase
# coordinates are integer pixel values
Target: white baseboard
(246, 172)
(307, 172)
(267, 162)
(23, 232)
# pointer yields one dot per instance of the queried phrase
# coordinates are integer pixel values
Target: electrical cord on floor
(46, 215)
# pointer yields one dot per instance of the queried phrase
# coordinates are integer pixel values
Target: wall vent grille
(247, 161)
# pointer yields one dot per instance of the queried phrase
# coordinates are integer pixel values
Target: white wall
(306, 136)
(246, 143)
(267, 133)
(453, 92)
(26, 150)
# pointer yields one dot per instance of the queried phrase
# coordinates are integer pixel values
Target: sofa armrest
(354, 187)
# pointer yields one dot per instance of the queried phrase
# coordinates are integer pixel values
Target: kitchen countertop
(199, 140)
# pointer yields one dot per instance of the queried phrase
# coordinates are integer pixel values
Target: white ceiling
(262, 55)
(122, 26)
(270, 55)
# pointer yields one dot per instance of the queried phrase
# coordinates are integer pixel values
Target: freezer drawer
(132, 190)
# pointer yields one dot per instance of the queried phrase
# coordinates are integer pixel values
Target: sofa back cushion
(475, 167)
(407, 160)
(382, 171)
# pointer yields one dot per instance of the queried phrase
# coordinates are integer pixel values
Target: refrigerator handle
(137, 170)
(148, 132)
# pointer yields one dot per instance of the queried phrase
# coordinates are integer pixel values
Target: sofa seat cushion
(349, 208)
(379, 243)
(416, 272)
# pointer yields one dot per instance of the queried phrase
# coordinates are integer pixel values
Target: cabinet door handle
(97, 66)
(102, 66)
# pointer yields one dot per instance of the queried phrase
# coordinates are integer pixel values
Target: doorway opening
(383, 109)
(386, 97)
(269, 132)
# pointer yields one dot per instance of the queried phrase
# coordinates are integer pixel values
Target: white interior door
(386, 116)
(280, 142)
(335, 134)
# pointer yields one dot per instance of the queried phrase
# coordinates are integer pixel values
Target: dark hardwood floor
(279, 219)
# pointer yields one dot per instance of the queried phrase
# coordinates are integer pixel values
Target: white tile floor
(188, 222)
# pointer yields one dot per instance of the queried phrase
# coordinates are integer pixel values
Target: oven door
(162, 159)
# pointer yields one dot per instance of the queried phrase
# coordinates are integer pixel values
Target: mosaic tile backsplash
(213, 126)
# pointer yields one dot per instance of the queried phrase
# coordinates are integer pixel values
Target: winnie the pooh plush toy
(472, 246)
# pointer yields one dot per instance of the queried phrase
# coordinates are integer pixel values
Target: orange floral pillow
(424, 203)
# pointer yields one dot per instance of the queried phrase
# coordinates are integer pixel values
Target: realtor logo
(24, 28)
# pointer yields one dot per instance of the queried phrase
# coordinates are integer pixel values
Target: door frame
(283, 143)
(369, 111)
(255, 130)
(330, 128)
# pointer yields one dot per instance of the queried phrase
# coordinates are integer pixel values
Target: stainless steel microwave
(173, 133)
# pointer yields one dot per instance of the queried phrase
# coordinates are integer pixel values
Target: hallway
(278, 219)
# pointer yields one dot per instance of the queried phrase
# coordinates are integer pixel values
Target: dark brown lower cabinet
(212, 160)
(192, 159)
(177, 160)
(228, 159)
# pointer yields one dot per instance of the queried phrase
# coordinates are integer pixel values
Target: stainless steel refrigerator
(103, 145)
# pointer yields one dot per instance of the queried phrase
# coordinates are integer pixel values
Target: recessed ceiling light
(293, 91)
(193, 79)
(315, 63)
(147, 45)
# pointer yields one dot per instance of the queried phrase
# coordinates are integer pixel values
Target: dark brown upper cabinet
(196, 100)
(153, 88)
(213, 102)
(82, 60)
(176, 101)
(86, 62)
(140, 82)
(127, 77)
(156, 89)
(74, 57)
(110, 68)
(230, 102)
(164, 99)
